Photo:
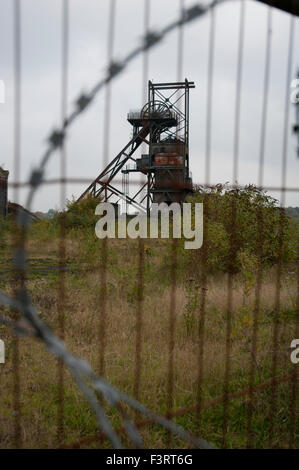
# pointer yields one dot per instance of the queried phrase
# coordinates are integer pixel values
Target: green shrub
(81, 213)
(5, 226)
(242, 223)
(44, 229)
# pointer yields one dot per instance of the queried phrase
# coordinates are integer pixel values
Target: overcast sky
(41, 79)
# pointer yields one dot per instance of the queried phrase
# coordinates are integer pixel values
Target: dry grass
(38, 369)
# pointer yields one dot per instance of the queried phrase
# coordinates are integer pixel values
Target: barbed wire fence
(29, 324)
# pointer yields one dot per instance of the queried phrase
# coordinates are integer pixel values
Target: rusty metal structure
(3, 192)
(163, 125)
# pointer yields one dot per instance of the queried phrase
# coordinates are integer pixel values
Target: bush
(242, 223)
(78, 215)
(81, 214)
(44, 229)
(5, 228)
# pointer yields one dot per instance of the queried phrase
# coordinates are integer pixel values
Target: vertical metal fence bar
(106, 140)
(139, 314)
(204, 249)
(62, 246)
(265, 98)
(110, 48)
(145, 55)
(140, 272)
(210, 95)
(202, 288)
(229, 314)
(233, 229)
(259, 275)
(276, 329)
(103, 306)
(239, 91)
(294, 411)
(145, 74)
(174, 258)
(180, 44)
(285, 143)
(17, 236)
(172, 321)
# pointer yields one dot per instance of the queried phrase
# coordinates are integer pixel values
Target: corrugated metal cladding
(3, 192)
(168, 159)
(164, 147)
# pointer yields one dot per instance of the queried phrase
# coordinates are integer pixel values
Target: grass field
(38, 370)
